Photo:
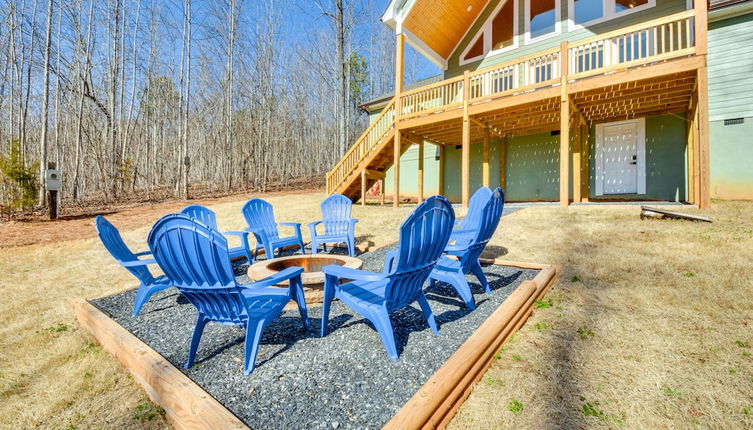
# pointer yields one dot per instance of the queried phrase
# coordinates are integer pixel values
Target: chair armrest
(281, 276)
(461, 232)
(143, 254)
(136, 263)
(458, 222)
(290, 224)
(353, 221)
(314, 224)
(236, 233)
(348, 273)
(389, 260)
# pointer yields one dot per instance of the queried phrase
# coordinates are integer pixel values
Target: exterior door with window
(621, 158)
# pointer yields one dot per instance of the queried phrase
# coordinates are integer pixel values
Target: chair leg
(476, 269)
(351, 246)
(428, 314)
(381, 321)
(463, 289)
(143, 295)
(300, 299)
(254, 330)
(201, 322)
(329, 295)
(314, 246)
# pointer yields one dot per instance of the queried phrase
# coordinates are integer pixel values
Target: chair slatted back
(195, 258)
(259, 214)
(113, 242)
(475, 206)
(423, 237)
(336, 211)
(488, 220)
(202, 214)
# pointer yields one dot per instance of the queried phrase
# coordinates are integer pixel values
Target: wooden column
(382, 192)
(485, 155)
(363, 187)
(441, 170)
(577, 171)
(502, 162)
(420, 170)
(564, 131)
(585, 162)
(466, 151)
(703, 152)
(399, 69)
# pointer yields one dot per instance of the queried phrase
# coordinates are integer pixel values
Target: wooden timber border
(188, 406)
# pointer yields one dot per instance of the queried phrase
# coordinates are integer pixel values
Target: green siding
(533, 168)
(730, 68)
(453, 168)
(731, 155)
(662, 8)
(409, 172)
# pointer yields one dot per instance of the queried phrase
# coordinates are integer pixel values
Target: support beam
(399, 70)
(420, 171)
(485, 156)
(585, 149)
(441, 170)
(396, 170)
(363, 187)
(704, 168)
(502, 162)
(701, 20)
(577, 148)
(382, 192)
(466, 151)
(564, 131)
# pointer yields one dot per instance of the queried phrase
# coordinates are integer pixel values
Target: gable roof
(433, 27)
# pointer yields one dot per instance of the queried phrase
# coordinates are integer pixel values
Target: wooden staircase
(369, 157)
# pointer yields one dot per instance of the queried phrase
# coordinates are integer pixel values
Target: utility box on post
(53, 182)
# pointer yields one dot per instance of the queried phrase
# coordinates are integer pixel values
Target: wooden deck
(654, 68)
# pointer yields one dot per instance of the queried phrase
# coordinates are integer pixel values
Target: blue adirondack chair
(476, 205)
(195, 259)
(207, 217)
(338, 225)
(113, 242)
(260, 217)
(467, 248)
(423, 236)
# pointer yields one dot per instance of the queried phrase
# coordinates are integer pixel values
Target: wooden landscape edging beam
(187, 406)
(436, 402)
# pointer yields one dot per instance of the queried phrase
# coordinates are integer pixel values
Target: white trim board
(557, 22)
(486, 32)
(609, 13)
(641, 159)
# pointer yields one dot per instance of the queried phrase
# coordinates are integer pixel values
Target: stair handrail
(385, 122)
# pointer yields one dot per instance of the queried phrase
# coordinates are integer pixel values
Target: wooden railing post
(466, 148)
(564, 129)
(701, 27)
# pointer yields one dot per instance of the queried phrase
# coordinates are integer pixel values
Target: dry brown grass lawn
(648, 330)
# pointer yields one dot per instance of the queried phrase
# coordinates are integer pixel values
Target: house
(563, 100)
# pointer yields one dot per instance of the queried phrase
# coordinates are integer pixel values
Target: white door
(621, 158)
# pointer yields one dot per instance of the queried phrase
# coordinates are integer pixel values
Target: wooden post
(564, 131)
(485, 156)
(576, 163)
(702, 146)
(381, 190)
(363, 187)
(502, 162)
(466, 151)
(399, 69)
(585, 162)
(420, 171)
(441, 170)
(691, 132)
(701, 27)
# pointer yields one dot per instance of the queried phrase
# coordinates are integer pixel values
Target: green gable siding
(662, 8)
(730, 68)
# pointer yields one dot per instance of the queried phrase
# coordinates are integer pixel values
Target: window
(542, 19)
(498, 34)
(590, 12)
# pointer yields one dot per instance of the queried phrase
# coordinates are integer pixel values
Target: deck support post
(564, 131)
(485, 156)
(585, 163)
(363, 187)
(441, 170)
(382, 190)
(701, 119)
(420, 171)
(466, 151)
(399, 69)
(577, 155)
(502, 162)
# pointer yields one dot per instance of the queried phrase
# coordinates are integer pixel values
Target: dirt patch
(77, 223)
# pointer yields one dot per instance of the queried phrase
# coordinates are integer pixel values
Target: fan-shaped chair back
(336, 214)
(423, 237)
(259, 215)
(201, 214)
(487, 220)
(195, 258)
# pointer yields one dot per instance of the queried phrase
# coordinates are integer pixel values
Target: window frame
(486, 32)
(557, 22)
(609, 13)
